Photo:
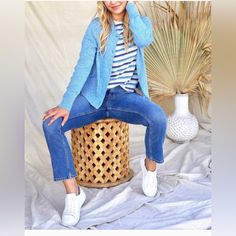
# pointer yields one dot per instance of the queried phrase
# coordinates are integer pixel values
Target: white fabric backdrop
(53, 33)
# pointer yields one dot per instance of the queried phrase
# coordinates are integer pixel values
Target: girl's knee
(158, 116)
(52, 128)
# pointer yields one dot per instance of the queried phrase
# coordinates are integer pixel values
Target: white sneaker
(149, 181)
(73, 203)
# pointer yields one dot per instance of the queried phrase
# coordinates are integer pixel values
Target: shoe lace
(70, 206)
(152, 180)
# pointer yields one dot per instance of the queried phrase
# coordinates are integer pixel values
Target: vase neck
(181, 104)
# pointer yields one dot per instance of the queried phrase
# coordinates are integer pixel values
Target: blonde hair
(106, 21)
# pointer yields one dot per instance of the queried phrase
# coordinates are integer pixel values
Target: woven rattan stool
(101, 153)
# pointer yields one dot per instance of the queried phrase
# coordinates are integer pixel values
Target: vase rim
(181, 94)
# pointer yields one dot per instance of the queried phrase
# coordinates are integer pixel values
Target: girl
(108, 73)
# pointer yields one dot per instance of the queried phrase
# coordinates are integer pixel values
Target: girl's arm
(141, 26)
(81, 69)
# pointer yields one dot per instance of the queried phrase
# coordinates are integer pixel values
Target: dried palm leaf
(179, 59)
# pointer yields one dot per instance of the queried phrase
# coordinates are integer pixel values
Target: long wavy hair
(105, 17)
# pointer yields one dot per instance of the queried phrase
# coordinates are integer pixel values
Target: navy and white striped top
(124, 72)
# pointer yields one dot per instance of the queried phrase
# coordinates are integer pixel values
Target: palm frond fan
(179, 59)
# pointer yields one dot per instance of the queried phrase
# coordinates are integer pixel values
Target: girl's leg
(134, 108)
(137, 109)
(71, 186)
(81, 114)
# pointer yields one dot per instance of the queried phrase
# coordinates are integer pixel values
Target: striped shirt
(124, 72)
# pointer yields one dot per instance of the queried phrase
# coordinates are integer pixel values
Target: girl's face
(115, 7)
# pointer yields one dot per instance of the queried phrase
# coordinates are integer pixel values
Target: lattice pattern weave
(101, 153)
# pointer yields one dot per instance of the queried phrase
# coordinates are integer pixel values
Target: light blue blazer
(92, 71)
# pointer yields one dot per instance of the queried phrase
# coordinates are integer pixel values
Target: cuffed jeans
(130, 107)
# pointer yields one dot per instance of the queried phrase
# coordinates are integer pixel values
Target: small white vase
(182, 126)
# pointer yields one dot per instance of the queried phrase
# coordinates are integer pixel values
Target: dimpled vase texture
(182, 126)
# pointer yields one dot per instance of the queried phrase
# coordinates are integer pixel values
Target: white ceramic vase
(182, 126)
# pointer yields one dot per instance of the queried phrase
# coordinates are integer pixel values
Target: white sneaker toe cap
(69, 220)
(149, 191)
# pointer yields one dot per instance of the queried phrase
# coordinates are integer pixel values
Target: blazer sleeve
(82, 68)
(141, 26)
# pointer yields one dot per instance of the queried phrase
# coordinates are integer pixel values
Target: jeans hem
(63, 178)
(153, 159)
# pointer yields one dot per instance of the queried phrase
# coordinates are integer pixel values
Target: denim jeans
(130, 107)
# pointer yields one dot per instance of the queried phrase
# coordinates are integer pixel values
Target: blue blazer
(92, 71)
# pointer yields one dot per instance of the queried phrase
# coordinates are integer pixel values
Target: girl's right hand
(55, 113)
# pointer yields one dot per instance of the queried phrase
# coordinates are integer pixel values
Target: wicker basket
(101, 153)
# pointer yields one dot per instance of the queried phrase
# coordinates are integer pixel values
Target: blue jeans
(130, 107)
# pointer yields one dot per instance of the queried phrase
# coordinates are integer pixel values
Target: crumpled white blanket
(183, 200)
